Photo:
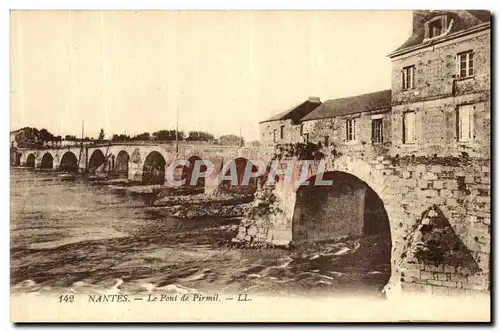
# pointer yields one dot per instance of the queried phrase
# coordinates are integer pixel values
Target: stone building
(359, 123)
(284, 127)
(418, 153)
(441, 85)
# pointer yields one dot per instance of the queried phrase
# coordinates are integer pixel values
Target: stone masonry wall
(292, 132)
(460, 191)
(436, 129)
(335, 129)
(437, 94)
(454, 255)
(436, 70)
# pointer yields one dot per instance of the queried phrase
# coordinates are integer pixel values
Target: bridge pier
(23, 159)
(135, 171)
(211, 185)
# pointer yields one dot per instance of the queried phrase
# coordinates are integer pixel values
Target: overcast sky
(131, 71)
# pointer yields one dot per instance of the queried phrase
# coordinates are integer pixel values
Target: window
(301, 129)
(350, 130)
(306, 138)
(408, 77)
(327, 140)
(274, 135)
(465, 64)
(409, 127)
(435, 28)
(465, 123)
(377, 131)
(282, 132)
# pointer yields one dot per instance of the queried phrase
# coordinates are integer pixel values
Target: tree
(255, 143)
(167, 135)
(231, 140)
(101, 135)
(45, 136)
(142, 137)
(120, 138)
(200, 136)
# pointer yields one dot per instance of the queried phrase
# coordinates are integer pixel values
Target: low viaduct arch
(422, 202)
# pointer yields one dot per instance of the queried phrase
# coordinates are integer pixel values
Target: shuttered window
(465, 64)
(408, 77)
(350, 127)
(377, 131)
(465, 123)
(409, 135)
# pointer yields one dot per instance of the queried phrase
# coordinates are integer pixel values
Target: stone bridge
(433, 214)
(428, 218)
(145, 163)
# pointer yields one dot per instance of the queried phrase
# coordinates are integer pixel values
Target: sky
(216, 71)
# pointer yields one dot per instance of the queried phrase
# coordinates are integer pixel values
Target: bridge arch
(188, 171)
(96, 160)
(121, 163)
(347, 207)
(236, 185)
(373, 200)
(47, 161)
(30, 160)
(69, 162)
(153, 171)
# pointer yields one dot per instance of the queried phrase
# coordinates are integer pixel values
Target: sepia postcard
(250, 166)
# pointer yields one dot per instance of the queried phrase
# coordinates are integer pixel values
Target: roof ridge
(359, 95)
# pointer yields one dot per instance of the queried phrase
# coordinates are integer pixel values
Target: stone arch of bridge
(47, 161)
(96, 160)
(69, 162)
(194, 152)
(121, 163)
(238, 183)
(153, 171)
(376, 179)
(195, 163)
(384, 205)
(30, 160)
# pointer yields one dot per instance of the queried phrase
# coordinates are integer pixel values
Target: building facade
(441, 86)
(438, 105)
(358, 124)
(285, 127)
(423, 147)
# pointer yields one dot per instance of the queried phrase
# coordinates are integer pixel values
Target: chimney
(418, 18)
(314, 100)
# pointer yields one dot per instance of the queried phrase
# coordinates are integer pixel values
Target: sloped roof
(351, 105)
(462, 20)
(296, 113)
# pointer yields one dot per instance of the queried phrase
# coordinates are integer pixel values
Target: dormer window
(437, 26)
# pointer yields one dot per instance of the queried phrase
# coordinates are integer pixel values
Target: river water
(75, 236)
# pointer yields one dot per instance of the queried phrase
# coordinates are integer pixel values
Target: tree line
(172, 135)
(28, 136)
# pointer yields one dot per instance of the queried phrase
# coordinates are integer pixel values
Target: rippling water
(84, 238)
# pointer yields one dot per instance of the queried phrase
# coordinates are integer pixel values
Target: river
(83, 238)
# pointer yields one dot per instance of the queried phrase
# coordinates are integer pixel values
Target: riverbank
(82, 236)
